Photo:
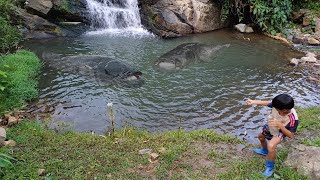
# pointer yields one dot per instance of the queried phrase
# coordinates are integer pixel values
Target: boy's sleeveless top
(290, 121)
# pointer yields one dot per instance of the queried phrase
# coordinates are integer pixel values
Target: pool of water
(205, 95)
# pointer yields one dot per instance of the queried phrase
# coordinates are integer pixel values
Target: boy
(285, 119)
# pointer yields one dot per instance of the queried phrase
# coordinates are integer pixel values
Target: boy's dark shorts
(267, 134)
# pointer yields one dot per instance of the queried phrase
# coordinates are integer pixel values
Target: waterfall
(115, 17)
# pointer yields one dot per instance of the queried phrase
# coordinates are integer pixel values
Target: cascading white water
(115, 16)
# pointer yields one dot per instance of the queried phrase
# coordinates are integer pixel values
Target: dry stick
(111, 116)
(180, 120)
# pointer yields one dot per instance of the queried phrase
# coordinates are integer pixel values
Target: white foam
(126, 32)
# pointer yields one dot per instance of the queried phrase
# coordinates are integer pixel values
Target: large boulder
(58, 10)
(40, 7)
(305, 159)
(188, 53)
(68, 10)
(172, 18)
(37, 27)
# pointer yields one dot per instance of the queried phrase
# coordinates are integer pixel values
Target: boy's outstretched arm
(257, 102)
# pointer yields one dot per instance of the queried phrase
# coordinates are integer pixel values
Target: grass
(84, 156)
(309, 118)
(252, 169)
(21, 69)
(313, 142)
(74, 155)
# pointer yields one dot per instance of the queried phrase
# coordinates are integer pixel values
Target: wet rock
(312, 79)
(10, 143)
(37, 27)
(316, 65)
(313, 42)
(308, 59)
(305, 159)
(145, 151)
(41, 172)
(3, 136)
(310, 54)
(154, 157)
(3, 132)
(171, 18)
(12, 120)
(299, 39)
(306, 21)
(243, 28)
(294, 62)
(39, 7)
(240, 147)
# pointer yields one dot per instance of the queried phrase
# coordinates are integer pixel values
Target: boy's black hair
(283, 101)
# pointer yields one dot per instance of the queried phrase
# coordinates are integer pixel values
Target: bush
(271, 16)
(21, 70)
(308, 4)
(9, 36)
(6, 6)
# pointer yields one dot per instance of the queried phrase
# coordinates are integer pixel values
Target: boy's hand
(274, 123)
(250, 102)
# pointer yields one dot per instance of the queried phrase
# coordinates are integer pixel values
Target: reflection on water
(205, 95)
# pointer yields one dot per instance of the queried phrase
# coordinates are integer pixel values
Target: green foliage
(314, 142)
(271, 16)
(63, 6)
(309, 118)
(5, 161)
(3, 78)
(20, 70)
(6, 6)
(307, 4)
(9, 35)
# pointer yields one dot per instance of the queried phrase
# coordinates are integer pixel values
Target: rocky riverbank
(303, 36)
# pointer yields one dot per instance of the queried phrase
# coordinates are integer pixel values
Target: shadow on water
(202, 95)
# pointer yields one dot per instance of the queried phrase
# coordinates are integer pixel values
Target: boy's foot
(263, 151)
(269, 169)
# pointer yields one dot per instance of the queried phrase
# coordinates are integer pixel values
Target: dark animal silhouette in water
(99, 68)
(188, 53)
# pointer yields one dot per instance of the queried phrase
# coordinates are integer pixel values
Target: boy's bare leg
(272, 145)
(262, 140)
(272, 148)
(264, 150)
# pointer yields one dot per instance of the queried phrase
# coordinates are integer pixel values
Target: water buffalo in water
(100, 68)
(188, 53)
